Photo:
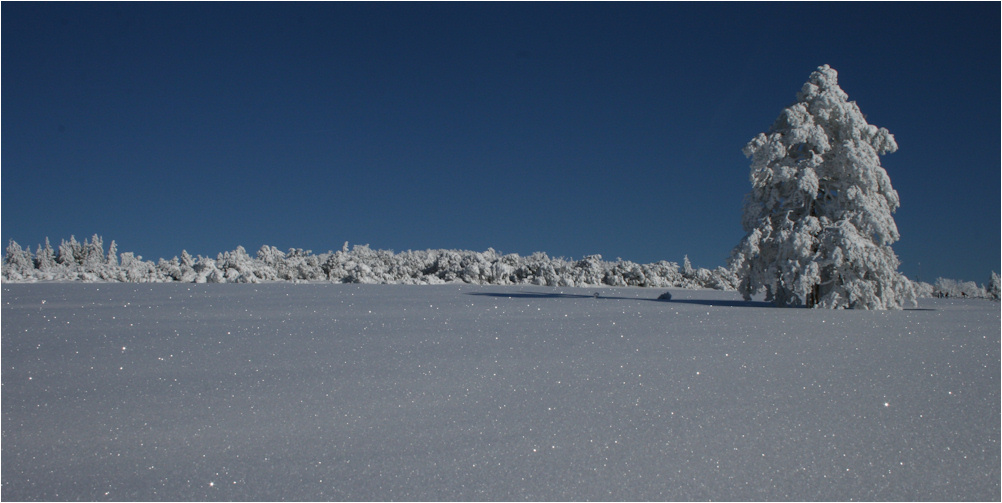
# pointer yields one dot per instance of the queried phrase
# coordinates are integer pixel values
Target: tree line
(88, 261)
(818, 220)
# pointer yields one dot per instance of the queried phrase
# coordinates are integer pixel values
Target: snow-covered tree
(923, 289)
(170, 269)
(45, 258)
(186, 260)
(17, 262)
(270, 255)
(239, 267)
(951, 288)
(993, 286)
(206, 271)
(93, 251)
(818, 217)
(70, 252)
(112, 259)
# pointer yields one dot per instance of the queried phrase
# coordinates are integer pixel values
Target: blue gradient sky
(566, 128)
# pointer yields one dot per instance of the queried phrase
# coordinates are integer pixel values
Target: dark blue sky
(566, 128)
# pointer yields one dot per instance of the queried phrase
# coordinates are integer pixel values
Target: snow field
(461, 392)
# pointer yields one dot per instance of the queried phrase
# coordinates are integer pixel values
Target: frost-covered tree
(93, 251)
(186, 260)
(70, 252)
(45, 258)
(17, 262)
(951, 288)
(133, 269)
(270, 255)
(818, 217)
(170, 268)
(993, 286)
(112, 258)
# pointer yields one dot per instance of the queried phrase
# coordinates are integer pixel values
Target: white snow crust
(465, 392)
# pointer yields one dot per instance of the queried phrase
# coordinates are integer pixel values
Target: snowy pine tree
(186, 260)
(70, 252)
(17, 262)
(687, 269)
(93, 252)
(993, 286)
(818, 216)
(112, 259)
(45, 258)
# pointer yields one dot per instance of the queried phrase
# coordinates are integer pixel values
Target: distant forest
(89, 262)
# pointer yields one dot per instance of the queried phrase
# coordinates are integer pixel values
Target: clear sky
(566, 128)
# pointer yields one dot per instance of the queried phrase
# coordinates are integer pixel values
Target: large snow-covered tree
(818, 217)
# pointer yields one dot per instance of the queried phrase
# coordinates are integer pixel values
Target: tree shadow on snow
(759, 303)
(540, 295)
(561, 295)
(699, 302)
(723, 303)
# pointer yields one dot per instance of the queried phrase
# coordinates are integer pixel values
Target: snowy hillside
(276, 391)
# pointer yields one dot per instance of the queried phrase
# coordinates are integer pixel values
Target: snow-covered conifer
(993, 286)
(70, 252)
(93, 251)
(45, 258)
(818, 217)
(134, 269)
(270, 255)
(170, 269)
(687, 270)
(112, 258)
(186, 267)
(17, 262)
(205, 270)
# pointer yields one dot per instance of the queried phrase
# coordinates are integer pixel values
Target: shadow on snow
(560, 295)
(699, 302)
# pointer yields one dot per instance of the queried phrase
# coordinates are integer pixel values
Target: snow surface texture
(461, 392)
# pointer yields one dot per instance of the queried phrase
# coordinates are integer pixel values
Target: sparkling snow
(459, 392)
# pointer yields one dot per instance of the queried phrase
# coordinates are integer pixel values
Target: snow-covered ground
(460, 392)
